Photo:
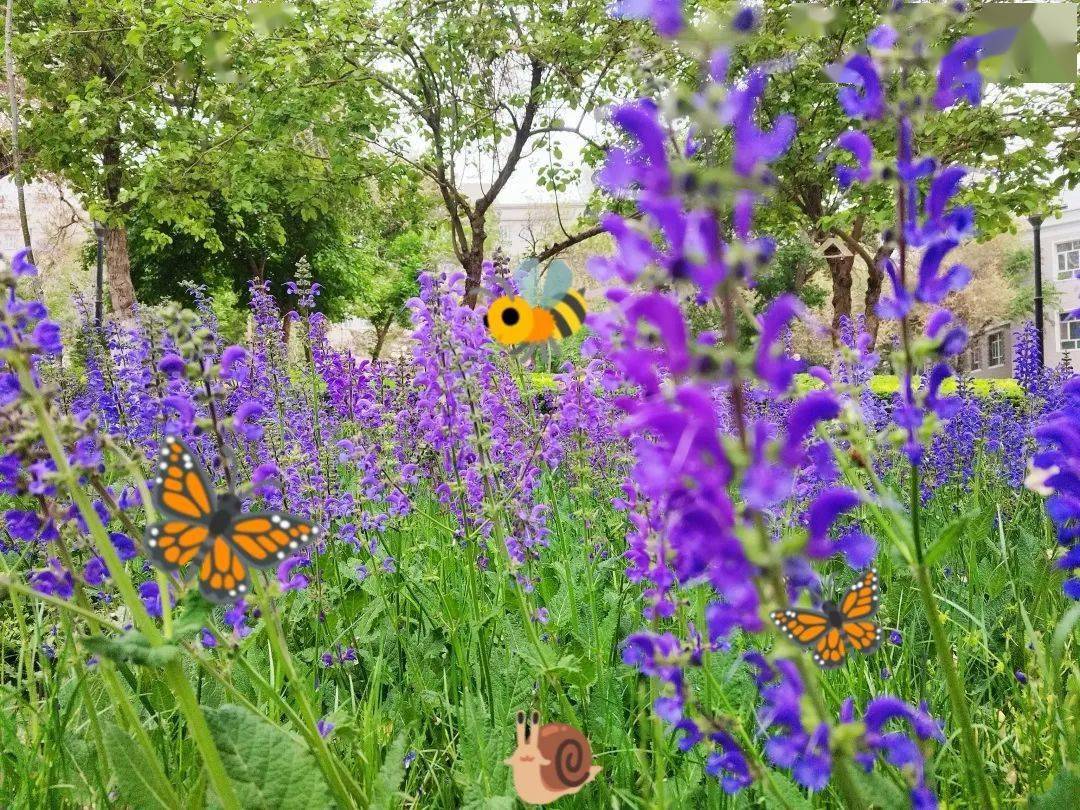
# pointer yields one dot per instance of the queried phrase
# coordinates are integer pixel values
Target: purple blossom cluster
(725, 450)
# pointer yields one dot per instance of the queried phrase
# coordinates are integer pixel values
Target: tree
(185, 116)
(484, 84)
(1014, 143)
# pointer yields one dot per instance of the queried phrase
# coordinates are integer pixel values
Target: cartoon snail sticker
(550, 761)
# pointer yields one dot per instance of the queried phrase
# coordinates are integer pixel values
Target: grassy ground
(445, 658)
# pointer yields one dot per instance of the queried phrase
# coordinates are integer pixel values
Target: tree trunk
(840, 271)
(381, 331)
(118, 271)
(16, 154)
(473, 263)
(875, 275)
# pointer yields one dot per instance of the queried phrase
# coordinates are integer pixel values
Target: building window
(1069, 331)
(975, 356)
(1068, 259)
(995, 346)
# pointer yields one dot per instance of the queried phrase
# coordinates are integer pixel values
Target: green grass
(446, 659)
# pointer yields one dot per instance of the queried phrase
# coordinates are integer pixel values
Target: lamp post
(99, 232)
(1036, 230)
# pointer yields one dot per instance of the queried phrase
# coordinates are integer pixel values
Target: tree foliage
(482, 85)
(1017, 143)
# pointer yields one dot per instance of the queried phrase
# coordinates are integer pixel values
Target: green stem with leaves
(193, 714)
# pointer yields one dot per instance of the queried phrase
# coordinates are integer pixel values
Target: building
(990, 350)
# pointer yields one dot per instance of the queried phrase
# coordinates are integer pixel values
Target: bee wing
(527, 278)
(557, 281)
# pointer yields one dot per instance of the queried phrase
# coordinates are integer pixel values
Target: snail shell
(569, 754)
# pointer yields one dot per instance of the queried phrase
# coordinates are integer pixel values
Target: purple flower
(235, 364)
(22, 525)
(746, 19)
(124, 545)
(958, 74)
(324, 727)
(47, 336)
(289, 580)
(729, 763)
(882, 38)
(245, 421)
(1021, 677)
(20, 264)
(646, 163)
(172, 366)
(861, 94)
(150, 594)
(95, 572)
(896, 638)
(207, 639)
(860, 146)
(235, 619)
(665, 15)
(53, 581)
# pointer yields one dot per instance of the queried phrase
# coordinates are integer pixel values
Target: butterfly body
(214, 532)
(836, 628)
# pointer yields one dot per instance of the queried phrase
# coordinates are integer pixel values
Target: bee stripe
(576, 302)
(571, 310)
(562, 328)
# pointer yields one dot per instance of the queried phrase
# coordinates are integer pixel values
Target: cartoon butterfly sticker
(213, 531)
(834, 629)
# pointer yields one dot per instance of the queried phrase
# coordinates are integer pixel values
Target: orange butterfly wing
(859, 603)
(183, 494)
(861, 599)
(172, 544)
(801, 626)
(864, 636)
(810, 628)
(182, 487)
(831, 650)
(259, 540)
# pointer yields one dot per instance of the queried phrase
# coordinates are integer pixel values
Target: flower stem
(174, 673)
(345, 794)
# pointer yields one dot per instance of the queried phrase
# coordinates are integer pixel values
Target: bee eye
(486, 324)
(510, 316)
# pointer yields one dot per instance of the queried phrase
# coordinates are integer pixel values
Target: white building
(991, 350)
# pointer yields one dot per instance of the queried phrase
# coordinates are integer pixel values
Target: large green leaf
(391, 774)
(269, 768)
(1062, 795)
(132, 647)
(138, 781)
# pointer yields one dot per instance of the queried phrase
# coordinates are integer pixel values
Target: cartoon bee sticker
(535, 318)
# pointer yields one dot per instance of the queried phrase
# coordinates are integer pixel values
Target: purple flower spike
(860, 146)
(289, 580)
(958, 75)
(20, 264)
(245, 421)
(827, 509)
(665, 15)
(861, 94)
(235, 362)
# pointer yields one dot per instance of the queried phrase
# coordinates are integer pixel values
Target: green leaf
(1061, 795)
(193, 614)
(137, 779)
(132, 647)
(390, 776)
(880, 791)
(947, 539)
(269, 767)
(789, 792)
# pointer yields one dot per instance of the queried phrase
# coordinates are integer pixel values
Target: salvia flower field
(745, 581)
